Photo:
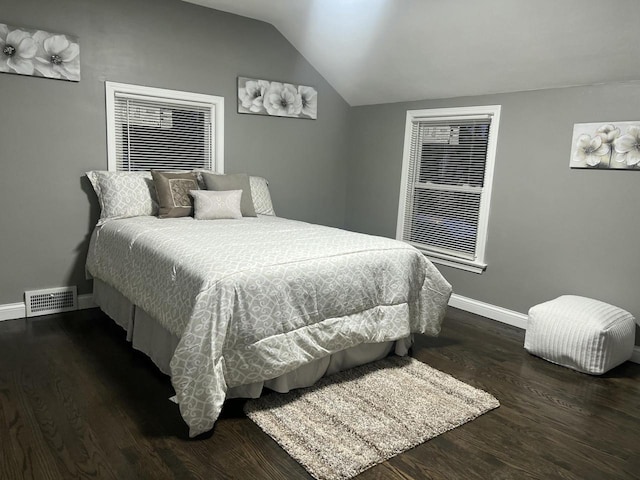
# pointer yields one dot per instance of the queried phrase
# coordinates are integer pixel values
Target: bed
(227, 307)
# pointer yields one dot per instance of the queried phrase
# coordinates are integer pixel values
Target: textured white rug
(353, 420)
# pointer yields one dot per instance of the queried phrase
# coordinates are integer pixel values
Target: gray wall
(552, 230)
(52, 131)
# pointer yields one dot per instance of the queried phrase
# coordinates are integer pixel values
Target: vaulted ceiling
(381, 51)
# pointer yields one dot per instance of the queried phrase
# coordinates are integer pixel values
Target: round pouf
(580, 333)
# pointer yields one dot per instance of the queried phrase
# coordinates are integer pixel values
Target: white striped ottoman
(580, 333)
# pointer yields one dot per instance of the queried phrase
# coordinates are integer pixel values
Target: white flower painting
(277, 99)
(606, 146)
(38, 53)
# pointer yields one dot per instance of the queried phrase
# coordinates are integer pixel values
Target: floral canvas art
(606, 146)
(25, 51)
(263, 97)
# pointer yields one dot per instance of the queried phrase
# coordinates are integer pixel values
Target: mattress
(255, 298)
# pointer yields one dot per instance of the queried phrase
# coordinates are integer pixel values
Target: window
(446, 183)
(165, 129)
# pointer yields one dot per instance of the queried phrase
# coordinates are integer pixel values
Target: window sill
(460, 263)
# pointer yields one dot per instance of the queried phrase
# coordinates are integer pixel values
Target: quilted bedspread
(254, 298)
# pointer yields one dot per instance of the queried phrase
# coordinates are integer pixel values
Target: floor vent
(51, 300)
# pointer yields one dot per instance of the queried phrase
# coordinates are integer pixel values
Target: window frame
(477, 265)
(165, 95)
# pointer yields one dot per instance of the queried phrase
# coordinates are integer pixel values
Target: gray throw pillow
(235, 181)
(212, 205)
(173, 193)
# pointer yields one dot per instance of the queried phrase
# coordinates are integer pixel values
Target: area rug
(353, 420)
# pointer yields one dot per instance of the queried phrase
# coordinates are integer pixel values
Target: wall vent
(51, 300)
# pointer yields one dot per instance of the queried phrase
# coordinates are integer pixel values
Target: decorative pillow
(236, 181)
(261, 197)
(213, 205)
(173, 192)
(124, 194)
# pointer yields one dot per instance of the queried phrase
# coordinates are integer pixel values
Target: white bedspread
(254, 298)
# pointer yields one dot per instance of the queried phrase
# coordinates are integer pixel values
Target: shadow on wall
(77, 270)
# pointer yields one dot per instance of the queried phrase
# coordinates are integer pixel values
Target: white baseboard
(10, 311)
(86, 301)
(504, 315)
(13, 311)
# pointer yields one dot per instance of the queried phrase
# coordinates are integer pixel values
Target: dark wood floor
(77, 402)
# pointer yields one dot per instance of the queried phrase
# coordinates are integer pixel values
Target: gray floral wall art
(263, 97)
(25, 51)
(606, 146)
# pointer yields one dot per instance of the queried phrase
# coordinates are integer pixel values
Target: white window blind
(162, 129)
(444, 209)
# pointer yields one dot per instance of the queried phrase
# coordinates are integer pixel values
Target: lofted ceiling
(382, 51)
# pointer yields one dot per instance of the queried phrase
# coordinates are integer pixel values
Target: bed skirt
(151, 338)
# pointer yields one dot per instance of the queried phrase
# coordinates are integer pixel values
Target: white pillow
(215, 205)
(124, 194)
(261, 197)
